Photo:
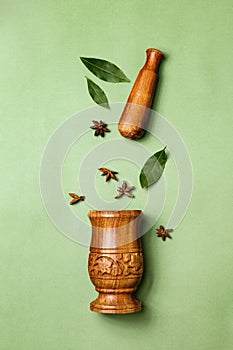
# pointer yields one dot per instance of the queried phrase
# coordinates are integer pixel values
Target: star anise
(100, 128)
(125, 190)
(164, 233)
(110, 174)
(76, 198)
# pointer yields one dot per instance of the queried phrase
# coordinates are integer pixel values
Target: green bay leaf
(97, 94)
(153, 169)
(104, 70)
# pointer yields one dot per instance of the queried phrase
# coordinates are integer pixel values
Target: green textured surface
(44, 288)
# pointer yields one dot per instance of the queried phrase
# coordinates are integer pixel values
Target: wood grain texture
(115, 267)
(134, 118)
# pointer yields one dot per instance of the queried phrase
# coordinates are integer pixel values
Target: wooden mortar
(134, 118)
(115, 268)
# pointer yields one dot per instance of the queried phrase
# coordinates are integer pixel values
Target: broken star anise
(164, 233)
(76, 198)
(99, 127)
(125, 190)
(110, 174)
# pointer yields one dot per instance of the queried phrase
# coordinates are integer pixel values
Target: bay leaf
(153, 169)
(97, 94)
(104, 70)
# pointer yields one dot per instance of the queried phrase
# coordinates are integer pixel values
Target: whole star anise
(110, 174)
(164, 233)
(76, 198)
(99, 127)
(125, 190)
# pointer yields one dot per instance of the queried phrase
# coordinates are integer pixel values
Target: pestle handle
(134, 118)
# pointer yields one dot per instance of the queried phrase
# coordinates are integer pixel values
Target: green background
(45, 289)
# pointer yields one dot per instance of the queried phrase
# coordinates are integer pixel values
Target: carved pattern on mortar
(112, 265)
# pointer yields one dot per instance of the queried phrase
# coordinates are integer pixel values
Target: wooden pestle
(135, 116)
